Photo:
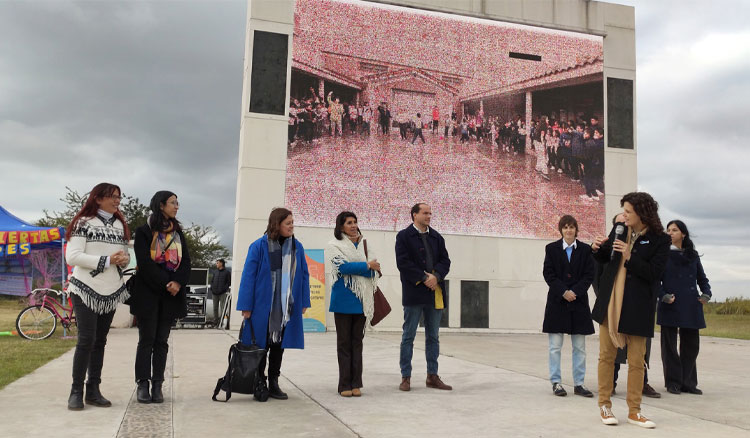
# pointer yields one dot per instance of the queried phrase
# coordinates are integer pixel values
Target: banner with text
(315, 317)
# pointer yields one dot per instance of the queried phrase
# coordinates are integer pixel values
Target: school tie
(569, 250)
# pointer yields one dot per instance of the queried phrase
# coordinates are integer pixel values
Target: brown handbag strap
(364, 242)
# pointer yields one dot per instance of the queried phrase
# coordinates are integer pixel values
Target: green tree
(202, 240)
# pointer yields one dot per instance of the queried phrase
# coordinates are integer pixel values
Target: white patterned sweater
(98, 283)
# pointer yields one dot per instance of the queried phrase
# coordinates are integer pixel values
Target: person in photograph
(447, 128)
(423, 264)
(163, 272)
(626, 303)
(274, 293)
(97, 250)
(384, 118)
(435, 119)
(577, 152)
(540, 137)
(292, 130)
(552, 142)
(354, 274)
(592, 164)
(568, 271)
(336, 111)
(366, 119)
(220, 283)
(418, 126)
(680, 311)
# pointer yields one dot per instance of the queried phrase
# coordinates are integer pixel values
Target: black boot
(75, 401)
(274, 390)
(95, 397)
(156, 394)
(142, 393)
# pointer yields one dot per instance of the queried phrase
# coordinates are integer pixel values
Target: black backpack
(242, 373)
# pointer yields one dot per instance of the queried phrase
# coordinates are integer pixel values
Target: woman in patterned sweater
(97, 249)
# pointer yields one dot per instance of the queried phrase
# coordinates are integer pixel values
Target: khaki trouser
(636, 366)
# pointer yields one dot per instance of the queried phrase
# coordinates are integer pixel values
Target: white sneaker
(608, 417)
(640, 420)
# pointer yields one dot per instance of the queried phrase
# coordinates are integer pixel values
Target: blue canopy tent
(17, 240)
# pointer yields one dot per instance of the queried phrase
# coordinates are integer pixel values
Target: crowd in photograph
(572, 148)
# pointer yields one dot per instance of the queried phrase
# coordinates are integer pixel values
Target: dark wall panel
(619, 124)
(268, 77)
(475, 304)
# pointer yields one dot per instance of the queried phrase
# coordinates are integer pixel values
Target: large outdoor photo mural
(499, 127)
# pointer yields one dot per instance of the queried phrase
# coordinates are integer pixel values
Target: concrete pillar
(528, 120)
(322, 88)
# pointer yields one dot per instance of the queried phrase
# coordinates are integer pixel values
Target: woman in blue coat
(274, 294)
(354, 279)
(681, 309)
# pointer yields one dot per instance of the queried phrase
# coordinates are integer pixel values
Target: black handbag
(242, 372)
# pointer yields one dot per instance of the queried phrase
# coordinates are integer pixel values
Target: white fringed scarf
(343, 251)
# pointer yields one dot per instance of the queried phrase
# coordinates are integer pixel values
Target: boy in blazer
(626, 303)
(423, 262)
(569, 271)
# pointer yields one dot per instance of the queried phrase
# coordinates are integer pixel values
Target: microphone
(619, 235)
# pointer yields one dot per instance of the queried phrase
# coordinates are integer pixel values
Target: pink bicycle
(39, 320)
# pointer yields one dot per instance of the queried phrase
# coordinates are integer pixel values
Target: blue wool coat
(680, 278)
(255, 295)
(411, 263)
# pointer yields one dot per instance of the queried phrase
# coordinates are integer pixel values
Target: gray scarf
(282, 280)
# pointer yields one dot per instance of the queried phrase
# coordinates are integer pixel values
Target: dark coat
(561, 316)
(643, 274)
(256, 292)
(220, 281)
(411, 263)
(152, 278)
(680, 278)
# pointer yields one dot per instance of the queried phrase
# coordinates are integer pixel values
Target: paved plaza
(500, 389)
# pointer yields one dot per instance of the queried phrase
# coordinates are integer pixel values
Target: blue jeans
(579, 357)
(431, 342)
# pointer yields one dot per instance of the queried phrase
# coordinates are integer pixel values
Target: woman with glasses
(159, 292)
(97, 249)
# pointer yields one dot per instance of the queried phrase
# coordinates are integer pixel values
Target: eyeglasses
(119, 198)
(175, 203)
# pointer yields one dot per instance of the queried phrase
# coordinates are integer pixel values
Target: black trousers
(679, 365)
(153, 345)
(273, 356)
(418, 133)
(350, 330)
(92, 338)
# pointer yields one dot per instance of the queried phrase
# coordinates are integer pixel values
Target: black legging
(92, 338)
(153, 345)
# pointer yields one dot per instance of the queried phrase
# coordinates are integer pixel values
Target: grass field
(19, 356)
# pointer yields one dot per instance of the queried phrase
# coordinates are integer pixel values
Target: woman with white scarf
(354, 273)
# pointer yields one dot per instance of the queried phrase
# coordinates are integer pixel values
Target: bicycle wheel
(36, 322)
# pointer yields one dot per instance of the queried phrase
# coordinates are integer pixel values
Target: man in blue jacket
(423, 262)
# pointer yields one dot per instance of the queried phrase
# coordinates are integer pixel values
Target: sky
(147, 95)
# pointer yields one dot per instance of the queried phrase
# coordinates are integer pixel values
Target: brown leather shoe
(648, 391)
(356, 392)
(433, 381)
(405, 384)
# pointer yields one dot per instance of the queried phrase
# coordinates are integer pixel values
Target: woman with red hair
(98, 251)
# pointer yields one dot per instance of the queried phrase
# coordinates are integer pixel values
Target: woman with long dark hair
(680, 310)
(274, 293)
(354, 279)
(163, 272)
(97, 249)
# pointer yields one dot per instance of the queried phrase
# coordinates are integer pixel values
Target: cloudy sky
(147, 95)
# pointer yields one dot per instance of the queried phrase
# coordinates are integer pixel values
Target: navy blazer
(680, 278)
(642, 282)
(411, 263)
(561, 316)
